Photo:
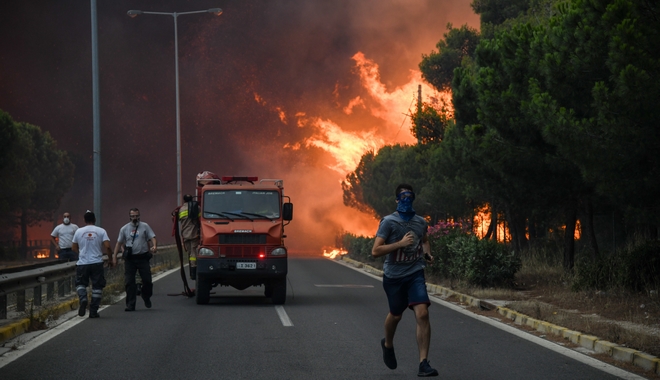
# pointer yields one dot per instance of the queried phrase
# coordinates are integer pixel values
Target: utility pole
(419, 113)
(96, 117)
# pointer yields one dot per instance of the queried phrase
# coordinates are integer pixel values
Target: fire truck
(242, 223)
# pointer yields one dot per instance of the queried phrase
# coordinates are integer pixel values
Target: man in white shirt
(62, 237)
(90, 242)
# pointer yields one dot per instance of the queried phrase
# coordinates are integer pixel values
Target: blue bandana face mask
(404, 206)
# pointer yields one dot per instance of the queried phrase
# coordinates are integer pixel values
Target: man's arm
(426, 248)
(117, 246)
(74, 248)
(55, 243)
(381, 249)
(153, 245)
(108, 249)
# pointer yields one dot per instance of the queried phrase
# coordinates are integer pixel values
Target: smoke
(296, 90)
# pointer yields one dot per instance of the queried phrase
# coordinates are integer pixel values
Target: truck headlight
(205, 252)
(278, 252)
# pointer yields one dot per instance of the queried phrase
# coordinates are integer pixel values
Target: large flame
(343, 140)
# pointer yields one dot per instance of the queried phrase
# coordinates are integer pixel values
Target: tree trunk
(493, 224)
(569, 238)
(24, 235)
(590, 231)
(532, 230)
(513, 230)
(521, 221)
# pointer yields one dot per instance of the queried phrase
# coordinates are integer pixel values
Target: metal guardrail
(62, 274)
(34, 279)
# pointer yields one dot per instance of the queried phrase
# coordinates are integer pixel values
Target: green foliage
(438, 67)
(358, 247)
(497, 11)
(429, 124)
(36, 175)
(456, 253)
(483, 262)
(371, 186)
(635, 269)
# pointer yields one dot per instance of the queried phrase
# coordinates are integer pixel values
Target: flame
(481, 223)
(392, 105)
(332, 254)
(357, 101)
(42, 254)
(346, 147)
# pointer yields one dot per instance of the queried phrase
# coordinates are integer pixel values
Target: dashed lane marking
(286, 321)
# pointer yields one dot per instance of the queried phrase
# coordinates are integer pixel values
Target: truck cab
(242, 223)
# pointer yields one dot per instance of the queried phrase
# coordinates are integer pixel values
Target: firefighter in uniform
(189, 218)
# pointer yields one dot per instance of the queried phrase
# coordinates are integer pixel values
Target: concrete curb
(620, 353)
(22, 326)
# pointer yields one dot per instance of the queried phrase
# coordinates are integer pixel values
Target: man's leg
(129, 284)
(82, 279)
(98, 283)
(423, 330)
(147, 285)
(391, 322)
(191, 248)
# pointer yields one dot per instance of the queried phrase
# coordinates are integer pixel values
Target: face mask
(66, 220)
(135, 221)
(404, 207)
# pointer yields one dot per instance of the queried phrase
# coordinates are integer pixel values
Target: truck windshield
(248, 204)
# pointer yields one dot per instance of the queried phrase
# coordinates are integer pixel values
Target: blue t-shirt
(407, 260)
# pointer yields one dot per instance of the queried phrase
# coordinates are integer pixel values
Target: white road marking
(286, 321)
(25, 347)
(342, 286)
(582, 358)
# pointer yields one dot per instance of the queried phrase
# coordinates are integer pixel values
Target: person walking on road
(135, 237)
(62, 237)
(402, 238)
(189, 218)
(90, 242)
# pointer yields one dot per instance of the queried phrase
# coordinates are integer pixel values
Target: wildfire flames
(332, 254)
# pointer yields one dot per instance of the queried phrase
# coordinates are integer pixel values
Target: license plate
(246, 265)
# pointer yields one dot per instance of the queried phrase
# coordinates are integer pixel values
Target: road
(329, 328)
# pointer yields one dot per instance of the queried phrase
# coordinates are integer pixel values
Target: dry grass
(543, 291)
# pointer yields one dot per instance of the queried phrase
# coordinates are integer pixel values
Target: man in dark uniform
(135, 237)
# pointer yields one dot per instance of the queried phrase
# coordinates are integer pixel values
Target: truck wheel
(203, 291)
(268, 292)
(279, 292)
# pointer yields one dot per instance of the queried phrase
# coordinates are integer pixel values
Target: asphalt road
(329, 328)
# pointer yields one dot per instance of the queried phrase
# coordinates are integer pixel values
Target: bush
(358, 247)
(483, 262)
(635, 269)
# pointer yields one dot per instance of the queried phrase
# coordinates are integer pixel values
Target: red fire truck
(242, 223)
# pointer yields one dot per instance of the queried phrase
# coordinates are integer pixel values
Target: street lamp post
(135, 13)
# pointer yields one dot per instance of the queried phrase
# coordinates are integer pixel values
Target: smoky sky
(244, 76)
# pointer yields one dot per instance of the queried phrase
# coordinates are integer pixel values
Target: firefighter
(189, 218)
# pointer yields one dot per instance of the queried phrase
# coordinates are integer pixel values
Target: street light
(135, 13)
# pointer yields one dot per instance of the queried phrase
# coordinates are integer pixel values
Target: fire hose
(177, 235)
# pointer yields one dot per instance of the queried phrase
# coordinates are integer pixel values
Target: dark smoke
(237, 71)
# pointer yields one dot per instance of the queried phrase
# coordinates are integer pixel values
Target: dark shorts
(406, 292)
